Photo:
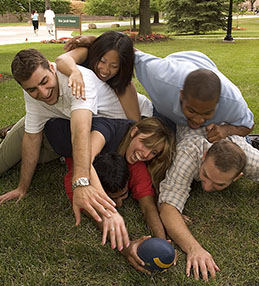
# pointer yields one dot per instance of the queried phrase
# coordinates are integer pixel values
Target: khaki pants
(11, 148)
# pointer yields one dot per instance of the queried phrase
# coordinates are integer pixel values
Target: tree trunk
(134, 23)
(144, 18)
(156, 18)
(47, 3)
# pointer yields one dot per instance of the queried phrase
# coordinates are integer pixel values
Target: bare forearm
(237, 130)
(30, 155)
(66, 63)
(176, 228)
(150, 211)
(129, 102)
(81, 155)
(80, 131)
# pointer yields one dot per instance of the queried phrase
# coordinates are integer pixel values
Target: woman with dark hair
(111, 58)
(35, 21)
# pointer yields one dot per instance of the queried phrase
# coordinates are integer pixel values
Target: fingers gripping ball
(157, 253)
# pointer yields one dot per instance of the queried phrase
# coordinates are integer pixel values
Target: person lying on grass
(216, 166)
(114, 174)
(147, 146)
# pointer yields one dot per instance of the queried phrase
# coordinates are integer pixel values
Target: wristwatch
(81, 182)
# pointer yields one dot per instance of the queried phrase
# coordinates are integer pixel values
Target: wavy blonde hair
(160, 135)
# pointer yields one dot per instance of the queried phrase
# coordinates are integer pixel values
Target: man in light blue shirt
(187, 88)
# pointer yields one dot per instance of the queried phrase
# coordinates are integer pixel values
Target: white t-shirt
(49, 15)
(101, 100)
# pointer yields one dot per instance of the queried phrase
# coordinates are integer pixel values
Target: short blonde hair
(160, 136)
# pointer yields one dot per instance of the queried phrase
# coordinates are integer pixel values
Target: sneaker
(254, 138)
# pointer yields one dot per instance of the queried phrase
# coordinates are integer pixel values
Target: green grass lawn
(40, 244)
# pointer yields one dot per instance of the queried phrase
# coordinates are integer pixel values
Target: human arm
(216, 132)
(151, 214)
(77, 51)
(88, 198)
(174, 192)
(66, 64)
(79, 41)
(197, 257)
(30, 153)
(140, 184)
(129, 102)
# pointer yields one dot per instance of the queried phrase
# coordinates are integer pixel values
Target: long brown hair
(159, 135)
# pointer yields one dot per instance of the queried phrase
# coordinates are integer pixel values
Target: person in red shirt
(147, 147)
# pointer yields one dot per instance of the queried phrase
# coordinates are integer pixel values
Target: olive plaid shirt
(191, 145)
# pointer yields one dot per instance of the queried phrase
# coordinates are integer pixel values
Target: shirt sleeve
(232, 107)
(140, 182)
(36, 114)
(176, 186)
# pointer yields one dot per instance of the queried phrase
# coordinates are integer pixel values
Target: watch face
(84, 181)
(81, 182)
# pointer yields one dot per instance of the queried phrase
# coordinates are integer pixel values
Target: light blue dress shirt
(163, 79)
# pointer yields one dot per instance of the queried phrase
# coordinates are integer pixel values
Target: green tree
(128, 8)
(11, 6)
(195, 16)
(156, 6)
(100, 8)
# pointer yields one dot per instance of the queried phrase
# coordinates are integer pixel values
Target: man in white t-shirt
(49, 15)
(47, 95)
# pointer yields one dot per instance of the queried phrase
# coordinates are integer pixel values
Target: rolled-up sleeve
(176, 186)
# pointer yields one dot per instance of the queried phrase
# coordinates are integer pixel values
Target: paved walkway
(25, 34)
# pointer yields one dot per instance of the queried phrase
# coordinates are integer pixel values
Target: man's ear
(133, 131)
(52, 68)
(238, 177)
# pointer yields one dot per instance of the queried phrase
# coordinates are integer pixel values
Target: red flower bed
(58, 41)
(147, 38)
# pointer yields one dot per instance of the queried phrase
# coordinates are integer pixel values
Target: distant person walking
(35, 21)
(49, 15)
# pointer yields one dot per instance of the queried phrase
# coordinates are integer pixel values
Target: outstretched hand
(201, 261)
(76, 81)
(93, 201)
(131, 254)
(117, 230)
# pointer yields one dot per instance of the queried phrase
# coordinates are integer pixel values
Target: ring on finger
(112, 229)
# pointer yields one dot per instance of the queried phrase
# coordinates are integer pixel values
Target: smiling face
(137, 151)
(43, 85)
(197, 112)
(212, 179)
(108, 66)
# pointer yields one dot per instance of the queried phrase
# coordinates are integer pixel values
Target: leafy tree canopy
(195, 16)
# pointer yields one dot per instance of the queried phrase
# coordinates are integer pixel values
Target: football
(157, 253)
